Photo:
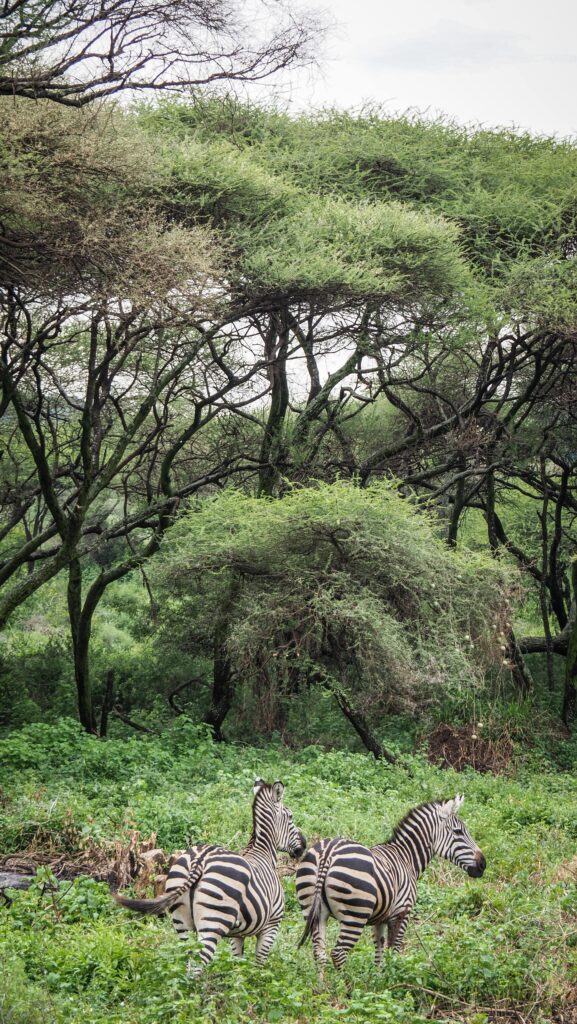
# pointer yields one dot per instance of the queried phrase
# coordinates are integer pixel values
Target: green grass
(508, 939)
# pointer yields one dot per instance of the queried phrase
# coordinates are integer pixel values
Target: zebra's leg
(264, 942)
(379, 938)
(318, 933)
(237, 943)
(209, 937)
(349, 935)
(396, 930)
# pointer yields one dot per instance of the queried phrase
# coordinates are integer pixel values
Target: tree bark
(80, 630)
(555, 578)
(545, 574)
(458, 503)
(107, 704)
(276, 348)
(223, 678)
(519, 670)
(570, 689)
(352, 714)
(223, 686)
(129, 721)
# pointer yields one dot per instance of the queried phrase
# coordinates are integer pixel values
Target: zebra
(378, 885)
(218, 893)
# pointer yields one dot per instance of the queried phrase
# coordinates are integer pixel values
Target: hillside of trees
(288, 466)
(233, 339)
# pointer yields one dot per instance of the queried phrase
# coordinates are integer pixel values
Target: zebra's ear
(258, 784)
(277, 791)
(447, 808)
(451, 806)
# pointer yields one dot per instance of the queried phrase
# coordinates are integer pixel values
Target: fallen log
(13, 880)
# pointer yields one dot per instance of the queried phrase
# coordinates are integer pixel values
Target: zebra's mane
(252, 837)
(410, 816)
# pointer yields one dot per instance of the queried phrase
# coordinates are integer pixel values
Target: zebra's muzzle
(476, 870)
(298, 850)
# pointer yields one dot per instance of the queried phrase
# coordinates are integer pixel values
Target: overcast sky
(499, 62)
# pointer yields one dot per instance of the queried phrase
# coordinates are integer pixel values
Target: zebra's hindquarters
(182, 880)
(336, 878)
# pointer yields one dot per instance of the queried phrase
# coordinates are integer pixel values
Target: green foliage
(68, 952)
(33, 668)
(510, 193)
(353, 579)
(22, 1001)
(335, 245)
(290, 235)
(543, 292)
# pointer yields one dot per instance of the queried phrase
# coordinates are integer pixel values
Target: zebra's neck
(260, 847)
(414, 837)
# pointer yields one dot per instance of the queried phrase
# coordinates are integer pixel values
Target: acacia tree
(339, 587)
(107, 408)
(112, 360)
(73, 51)
(467, 398)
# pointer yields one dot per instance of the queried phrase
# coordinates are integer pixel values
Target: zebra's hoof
(193, 970)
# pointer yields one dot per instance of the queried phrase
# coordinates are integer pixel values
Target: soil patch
(462, 747)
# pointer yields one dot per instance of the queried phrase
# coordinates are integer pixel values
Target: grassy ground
(503, 947)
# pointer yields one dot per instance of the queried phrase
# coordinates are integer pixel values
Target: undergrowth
(507, 941)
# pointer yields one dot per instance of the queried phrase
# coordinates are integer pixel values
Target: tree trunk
(545, 575)
(276, 346)
(555, 580)
(354, 715)
(360, 725)
(519, 670)
(570, 690)
(107, 704)
(80, 630)
(458, 503)
(223, 678)
(223, 685)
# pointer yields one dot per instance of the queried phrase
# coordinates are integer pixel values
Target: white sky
(498, 62)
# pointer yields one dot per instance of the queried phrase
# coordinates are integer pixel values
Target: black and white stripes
(217, 893)
(359, 885)
(221, 894)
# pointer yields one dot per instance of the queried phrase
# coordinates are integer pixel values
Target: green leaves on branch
(357, 580)
(543, 294)
(360, 249)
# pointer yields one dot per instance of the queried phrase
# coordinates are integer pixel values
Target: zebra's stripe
(377, 886)
(218, 893)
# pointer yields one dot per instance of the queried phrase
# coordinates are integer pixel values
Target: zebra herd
(218, 893)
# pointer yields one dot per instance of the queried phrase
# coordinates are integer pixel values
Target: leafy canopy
(354, 580)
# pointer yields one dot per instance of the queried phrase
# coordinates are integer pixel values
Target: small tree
(350, 589)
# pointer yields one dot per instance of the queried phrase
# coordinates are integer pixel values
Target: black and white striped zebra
(219, 894)
(377, 886)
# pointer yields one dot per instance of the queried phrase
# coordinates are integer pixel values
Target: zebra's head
(273, 820)
(453, 841)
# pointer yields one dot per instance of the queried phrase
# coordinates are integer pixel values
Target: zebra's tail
(315, 908)
(156, 906)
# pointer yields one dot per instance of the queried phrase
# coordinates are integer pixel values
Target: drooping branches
(74, 52)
